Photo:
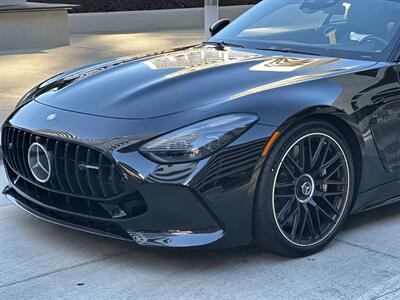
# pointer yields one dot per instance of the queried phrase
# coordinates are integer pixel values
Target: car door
(385, 123)
(385, 131)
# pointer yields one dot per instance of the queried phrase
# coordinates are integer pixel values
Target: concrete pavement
(44, 261)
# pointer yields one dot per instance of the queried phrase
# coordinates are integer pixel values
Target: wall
(145, 21)
(12, 2)
(33, 29)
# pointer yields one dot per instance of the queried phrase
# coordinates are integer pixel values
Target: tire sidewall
(265, 224)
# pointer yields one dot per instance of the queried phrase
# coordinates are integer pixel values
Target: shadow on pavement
(25, 51)
(377, 215)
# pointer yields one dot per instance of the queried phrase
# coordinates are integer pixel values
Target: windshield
(358, 29)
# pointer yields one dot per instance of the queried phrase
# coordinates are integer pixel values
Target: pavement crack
(87, 48)
(104, 257)
(368, 249)
(386, 294)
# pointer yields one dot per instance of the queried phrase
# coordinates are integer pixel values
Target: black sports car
(274, 131)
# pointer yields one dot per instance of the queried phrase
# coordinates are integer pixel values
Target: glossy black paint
(116, 106)
(218, 26)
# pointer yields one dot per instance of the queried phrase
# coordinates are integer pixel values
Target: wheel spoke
(327, 194)
(302, 155)
(308, 153)
(284, 196)
(285, 221)
(318, 220)
(289, 172)
(334, 171)
(330, 205)
(296, 219)
(309, 222)
(325, 154)
(314, 205)
(299, 170)
(324, 213)
(317, 153)
(286, 207)
(334, 193)
(330, 182)
(330, 162)
(285, 185)
(304, 222)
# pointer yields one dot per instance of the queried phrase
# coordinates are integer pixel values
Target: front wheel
(304, 191)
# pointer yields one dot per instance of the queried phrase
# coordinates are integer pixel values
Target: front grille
(77, 170)
(131, 204)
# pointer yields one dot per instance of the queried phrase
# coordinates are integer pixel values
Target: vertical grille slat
(19, 152)
(89, 205)
(56, 166)
(16, 149)
(9, 147)
(66, 168)
(77, 177)
(101, 176)
(76, 170)
(88, 175)
(113, 180)
(3, 138)
(5, 142)
(96, 174)
(25, 159)
(50, 197)
(30, 141)
(68, 202)
(13, 148)
(50, 182)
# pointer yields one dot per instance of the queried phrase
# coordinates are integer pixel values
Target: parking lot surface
(39, 260)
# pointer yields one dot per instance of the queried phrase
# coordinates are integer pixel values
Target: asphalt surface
(39, 260)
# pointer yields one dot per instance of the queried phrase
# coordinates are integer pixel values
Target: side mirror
(218, 26)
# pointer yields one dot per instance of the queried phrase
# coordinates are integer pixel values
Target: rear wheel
(304, 191)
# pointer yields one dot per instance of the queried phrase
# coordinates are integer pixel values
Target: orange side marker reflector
(270, 143)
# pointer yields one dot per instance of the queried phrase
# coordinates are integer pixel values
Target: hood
(184, 79)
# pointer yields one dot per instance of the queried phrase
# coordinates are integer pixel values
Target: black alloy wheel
(304, 191)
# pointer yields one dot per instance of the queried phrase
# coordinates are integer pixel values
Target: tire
(304, 191)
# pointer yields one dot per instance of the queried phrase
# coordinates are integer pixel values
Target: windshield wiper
(288, 50)
(223, 44)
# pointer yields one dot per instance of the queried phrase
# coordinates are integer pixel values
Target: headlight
(199, 140)
(27, 98)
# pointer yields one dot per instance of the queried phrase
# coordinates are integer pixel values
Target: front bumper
(118, 230)
(197, 204)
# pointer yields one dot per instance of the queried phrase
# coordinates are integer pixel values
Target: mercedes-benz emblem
(51, 117)
(306, 188)
(39, 162)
